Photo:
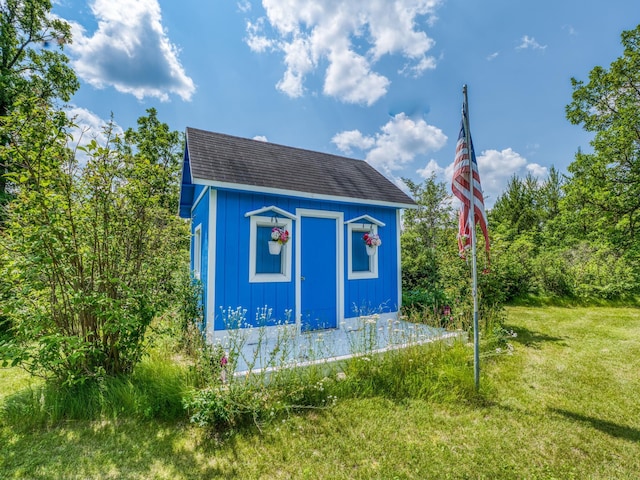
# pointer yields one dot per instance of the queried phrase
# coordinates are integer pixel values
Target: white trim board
(299, 194)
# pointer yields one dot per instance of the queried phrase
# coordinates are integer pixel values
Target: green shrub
(601, 272)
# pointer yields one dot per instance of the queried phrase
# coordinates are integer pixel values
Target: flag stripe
(462, 190)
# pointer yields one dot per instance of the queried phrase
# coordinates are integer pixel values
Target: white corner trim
(399, 258)
(211, 264)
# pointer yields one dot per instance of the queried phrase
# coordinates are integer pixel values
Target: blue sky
(379, 80)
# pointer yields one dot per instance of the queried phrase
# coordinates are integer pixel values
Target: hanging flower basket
(372, 242)
(274, 247)
(279, 236)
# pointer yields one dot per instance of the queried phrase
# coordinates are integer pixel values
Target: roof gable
(225, 160)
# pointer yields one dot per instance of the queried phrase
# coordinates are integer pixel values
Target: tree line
(569, 235)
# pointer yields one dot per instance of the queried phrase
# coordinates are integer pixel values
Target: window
(361, 264)
(197, 252)
(266, 265)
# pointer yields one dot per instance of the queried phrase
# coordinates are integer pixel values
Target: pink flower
(372, 239)
(280, 235)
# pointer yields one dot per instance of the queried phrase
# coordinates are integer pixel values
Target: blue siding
(232, 268)
(370, 295)
(232, 288)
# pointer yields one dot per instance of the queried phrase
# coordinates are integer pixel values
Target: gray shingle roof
(225, 159)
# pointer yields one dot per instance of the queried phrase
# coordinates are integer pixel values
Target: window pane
(359, 257)
(265, 262)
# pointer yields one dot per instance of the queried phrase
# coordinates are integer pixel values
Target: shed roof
(227, 161)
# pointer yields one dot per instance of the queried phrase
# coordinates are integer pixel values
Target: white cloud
(349, 38)
(260, 138)
(493, 56)
(349, 139)
(497, 167)
(431, 168)
(350, 79)
(399, 142)
(537, 170)
(130, 51)
(530, 42)
(244, 6)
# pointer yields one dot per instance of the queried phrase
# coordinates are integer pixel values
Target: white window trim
(373, 259)
(254, 277)
(197, 252)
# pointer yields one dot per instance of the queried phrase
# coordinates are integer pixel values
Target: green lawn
(564, 404)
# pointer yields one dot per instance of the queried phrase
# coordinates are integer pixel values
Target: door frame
(339, 218)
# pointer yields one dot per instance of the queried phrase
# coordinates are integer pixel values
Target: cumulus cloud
(431, 168)
(530, 42)
(130, 51)
(348, 38)
(261, 138)
(497, 167)
(397, 144)
(537, 170)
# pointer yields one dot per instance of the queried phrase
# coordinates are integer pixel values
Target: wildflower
(341, 376)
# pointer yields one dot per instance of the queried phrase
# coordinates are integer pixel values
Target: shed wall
(233, 289)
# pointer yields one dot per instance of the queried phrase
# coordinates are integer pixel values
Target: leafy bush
(552, 273)
(601, 272)
(93, 249)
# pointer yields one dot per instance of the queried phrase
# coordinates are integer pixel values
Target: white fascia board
(297, 193)
(272, 208)
(366, 219)
(202, 194)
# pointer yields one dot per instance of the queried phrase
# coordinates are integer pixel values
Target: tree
(92, 251)
(28, 66)
(425, 229)
(516, 211)
(605, 185)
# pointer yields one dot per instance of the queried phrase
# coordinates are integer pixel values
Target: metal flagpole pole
(472, 220)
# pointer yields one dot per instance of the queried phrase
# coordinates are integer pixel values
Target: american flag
(461, 189)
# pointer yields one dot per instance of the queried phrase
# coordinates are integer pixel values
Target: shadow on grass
(571, 302)
(530, 338)
(114, 449)
(610, 428)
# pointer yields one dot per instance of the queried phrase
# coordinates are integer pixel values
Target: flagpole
(472, 220)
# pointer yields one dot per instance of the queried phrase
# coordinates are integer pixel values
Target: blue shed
(236, 191)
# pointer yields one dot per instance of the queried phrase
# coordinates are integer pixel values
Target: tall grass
(199, 387)
(431, 372)
(154, 390)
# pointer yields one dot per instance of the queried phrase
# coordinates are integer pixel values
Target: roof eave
(301, 194)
